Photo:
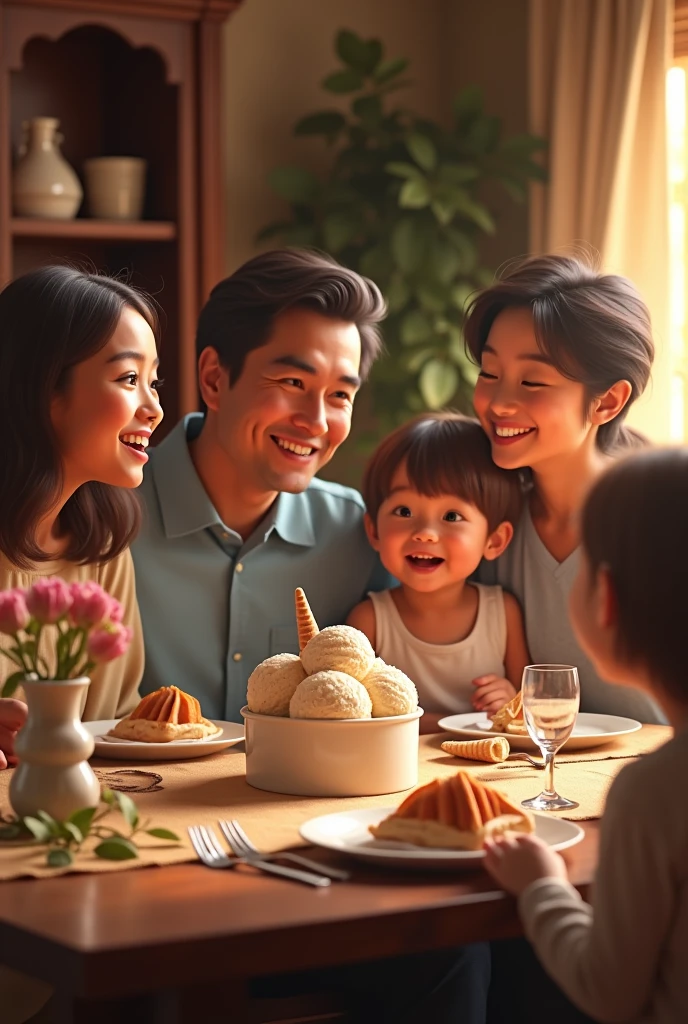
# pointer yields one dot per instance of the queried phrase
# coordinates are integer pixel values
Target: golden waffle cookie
(455, 813)
(162, 716)
(305, 620)
(492, 750)
(510, 715)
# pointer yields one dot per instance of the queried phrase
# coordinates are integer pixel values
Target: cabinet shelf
(108, 230)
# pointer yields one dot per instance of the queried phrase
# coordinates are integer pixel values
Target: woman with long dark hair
(78, 403)
(563, 351)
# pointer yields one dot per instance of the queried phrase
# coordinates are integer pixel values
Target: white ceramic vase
(53, 773)
(43, 183)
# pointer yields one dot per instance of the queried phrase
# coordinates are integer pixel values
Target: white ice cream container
(332, 757)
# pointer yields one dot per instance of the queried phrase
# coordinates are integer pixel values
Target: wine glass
(551, 696)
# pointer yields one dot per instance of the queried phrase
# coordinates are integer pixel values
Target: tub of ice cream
(330, 756)
(333, 721)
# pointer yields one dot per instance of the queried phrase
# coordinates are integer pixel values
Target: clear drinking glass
(551, 696)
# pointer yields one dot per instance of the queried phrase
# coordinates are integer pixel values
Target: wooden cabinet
(125, 78)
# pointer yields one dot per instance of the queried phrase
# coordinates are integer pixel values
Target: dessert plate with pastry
(167, 725)
(439, 826)
(590, 730)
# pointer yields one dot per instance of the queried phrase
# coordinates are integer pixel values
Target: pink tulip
(90, 604)
(116, 613)
(109, 642)
(48, 600)
(14, 615)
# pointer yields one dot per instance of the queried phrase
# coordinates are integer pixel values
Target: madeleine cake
(162, 716)
(457, 813)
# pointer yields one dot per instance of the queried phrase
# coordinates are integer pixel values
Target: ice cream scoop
(330, 695)
(391, 691)
(339, 649)
(271, 685)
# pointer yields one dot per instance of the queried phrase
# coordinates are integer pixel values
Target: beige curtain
(597, 93)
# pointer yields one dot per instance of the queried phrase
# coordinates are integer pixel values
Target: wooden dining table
(181, 943)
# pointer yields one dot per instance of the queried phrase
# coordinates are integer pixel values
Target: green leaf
(475, 211)
(12, 682)
(73, 832)
(82, 819)
(38, 829)
(457, 174)
(49, 822)
(59, 858)
(116, 848)
(358, 53)
(343, 81)
(402, 170)
(438, 382)
(416, 326)
(465, 249)
(397, 293)
(294, 184)
(416, 359)
(327, 122)
(443, 261)
(163, 833)
(128, 809)
(422, 150)
(414, 195)
(390, 69)
(461, 295)
(443, 210)
(108, 796)
(338, 230)
(368, 108)
(408, 244)
(468, 101)
(433, 296)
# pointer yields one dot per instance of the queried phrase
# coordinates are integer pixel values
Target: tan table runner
(202, 790)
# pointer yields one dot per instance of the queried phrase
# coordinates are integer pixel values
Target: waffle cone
(510, 715)
(162, 716)
(305, 621)
(492, 750)
(458, 812)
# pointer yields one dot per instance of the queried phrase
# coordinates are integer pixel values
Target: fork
(207, 846)
(243, 847)
(522, 756)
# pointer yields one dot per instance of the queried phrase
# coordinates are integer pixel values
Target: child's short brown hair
(444, 453)
(634, 525)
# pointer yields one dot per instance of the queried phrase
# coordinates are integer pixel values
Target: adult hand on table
(12, 718)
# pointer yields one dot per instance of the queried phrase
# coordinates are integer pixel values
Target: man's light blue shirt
(212, 606)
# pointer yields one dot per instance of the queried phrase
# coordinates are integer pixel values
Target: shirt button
(239, 567)
(237, 656)
(224, 535)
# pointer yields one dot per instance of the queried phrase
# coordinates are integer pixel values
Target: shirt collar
(184, 503)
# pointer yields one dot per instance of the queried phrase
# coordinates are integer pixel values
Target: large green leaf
(12, 682)
(414, 195)
(295, 184)
(368, 108)
(128, 809)
(400, 169)
(469, 101)
(457, 174)
(422, 150)
(59, 858)
(116, 848)
(475, 211)
(358, 53)
(327, 122)
(438, 382)
(389, 69)
(343, 81)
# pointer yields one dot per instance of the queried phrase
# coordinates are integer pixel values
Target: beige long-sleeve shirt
(113, 692)
(625, 957)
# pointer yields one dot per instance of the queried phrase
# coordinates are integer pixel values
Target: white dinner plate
(176, 750)
(590, 730)
(348, 833)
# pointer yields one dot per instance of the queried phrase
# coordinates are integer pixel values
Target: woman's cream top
(113, 692)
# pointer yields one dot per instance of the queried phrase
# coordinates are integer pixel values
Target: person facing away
(235, 519)
(563, 353)
(78, 387)
(436, 505)
(623, 958)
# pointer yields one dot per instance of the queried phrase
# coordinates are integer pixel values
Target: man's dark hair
(241, 311)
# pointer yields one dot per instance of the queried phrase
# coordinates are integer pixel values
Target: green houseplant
(402, 203)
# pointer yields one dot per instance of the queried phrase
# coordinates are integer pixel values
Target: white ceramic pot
(43, 183)
(115, 186)
(331, 757)
(53, 773)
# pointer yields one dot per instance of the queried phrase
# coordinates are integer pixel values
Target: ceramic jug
(43, 183)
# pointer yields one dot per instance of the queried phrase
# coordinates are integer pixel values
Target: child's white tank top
(443, 672)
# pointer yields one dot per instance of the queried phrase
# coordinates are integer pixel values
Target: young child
(436, 505)
(624, 958)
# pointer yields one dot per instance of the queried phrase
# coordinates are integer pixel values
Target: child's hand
(491, 693)
(12, 717)
(517, 860)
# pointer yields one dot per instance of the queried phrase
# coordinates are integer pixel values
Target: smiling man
(235, 518)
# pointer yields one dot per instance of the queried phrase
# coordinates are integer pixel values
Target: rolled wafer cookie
(492, 750)
(305, 620)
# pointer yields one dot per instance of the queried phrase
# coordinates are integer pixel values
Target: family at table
(543, 531)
